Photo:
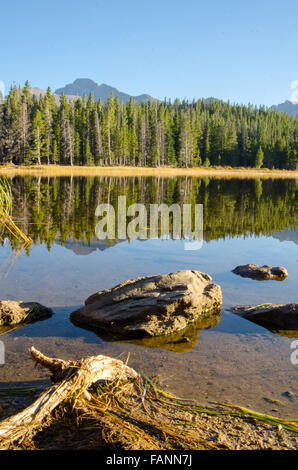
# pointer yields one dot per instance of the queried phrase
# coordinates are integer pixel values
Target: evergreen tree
(259, 158)
(38, 143)
(89, 156)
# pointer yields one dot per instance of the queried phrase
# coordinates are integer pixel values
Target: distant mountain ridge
(104, 96)
(287, 107)
(84, 85)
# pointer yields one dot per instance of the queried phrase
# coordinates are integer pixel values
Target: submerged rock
(151, 306)
(272, 316)
(181, 341)
(261, 273)
(16, 312)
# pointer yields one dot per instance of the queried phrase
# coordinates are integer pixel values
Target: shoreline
(218, 426)
(217, 172)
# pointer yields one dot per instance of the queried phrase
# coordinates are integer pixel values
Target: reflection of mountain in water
(287, 236)
(84, 248)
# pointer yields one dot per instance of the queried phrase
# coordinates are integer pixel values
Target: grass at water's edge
(225, 408)
(136, 416)
(221, 172)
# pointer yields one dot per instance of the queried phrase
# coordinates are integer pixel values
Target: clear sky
(244, 51)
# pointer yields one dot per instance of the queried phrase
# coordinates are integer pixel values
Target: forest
(40, 131)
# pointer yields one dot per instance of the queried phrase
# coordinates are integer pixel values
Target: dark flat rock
(271, 316)
(261, 273)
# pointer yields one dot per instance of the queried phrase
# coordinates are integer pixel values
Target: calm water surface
(245, 221)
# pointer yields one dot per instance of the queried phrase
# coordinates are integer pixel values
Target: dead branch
(71, 380)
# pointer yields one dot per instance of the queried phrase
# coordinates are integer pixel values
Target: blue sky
(236, 50)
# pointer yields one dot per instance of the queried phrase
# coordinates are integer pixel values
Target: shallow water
(248, 221)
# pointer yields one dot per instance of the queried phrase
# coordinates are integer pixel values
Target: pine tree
(186, 149)
(38, 143)
(153, 150)
(66, 147)
(23, 130)
(55, 155)
(96, 138)
(170, 148)
(89, 156)
(259, 158)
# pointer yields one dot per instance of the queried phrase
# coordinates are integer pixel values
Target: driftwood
(71, 379)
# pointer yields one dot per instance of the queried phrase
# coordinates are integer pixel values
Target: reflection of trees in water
(64, 207)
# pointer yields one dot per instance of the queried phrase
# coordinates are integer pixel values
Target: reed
(5, 196)
(7, 224)
(6, 219)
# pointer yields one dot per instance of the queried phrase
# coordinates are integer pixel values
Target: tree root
(71, 380)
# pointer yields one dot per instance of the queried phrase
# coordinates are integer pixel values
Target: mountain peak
(289, 107)
(80, 86)
(84, 80)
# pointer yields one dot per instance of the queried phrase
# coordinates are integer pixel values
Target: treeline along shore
(203, 133)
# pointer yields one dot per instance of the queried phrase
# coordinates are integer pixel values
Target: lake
(245, 221)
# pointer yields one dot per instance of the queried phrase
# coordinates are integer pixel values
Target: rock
(271, 316)
(261, 273)
(16, 312)
(151, 306)
(288, 394)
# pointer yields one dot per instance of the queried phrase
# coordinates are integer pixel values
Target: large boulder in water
(14, 312)
(261, 273)
(275, 317)
(151, 306)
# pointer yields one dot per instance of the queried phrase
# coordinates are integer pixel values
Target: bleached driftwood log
(71, 379)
